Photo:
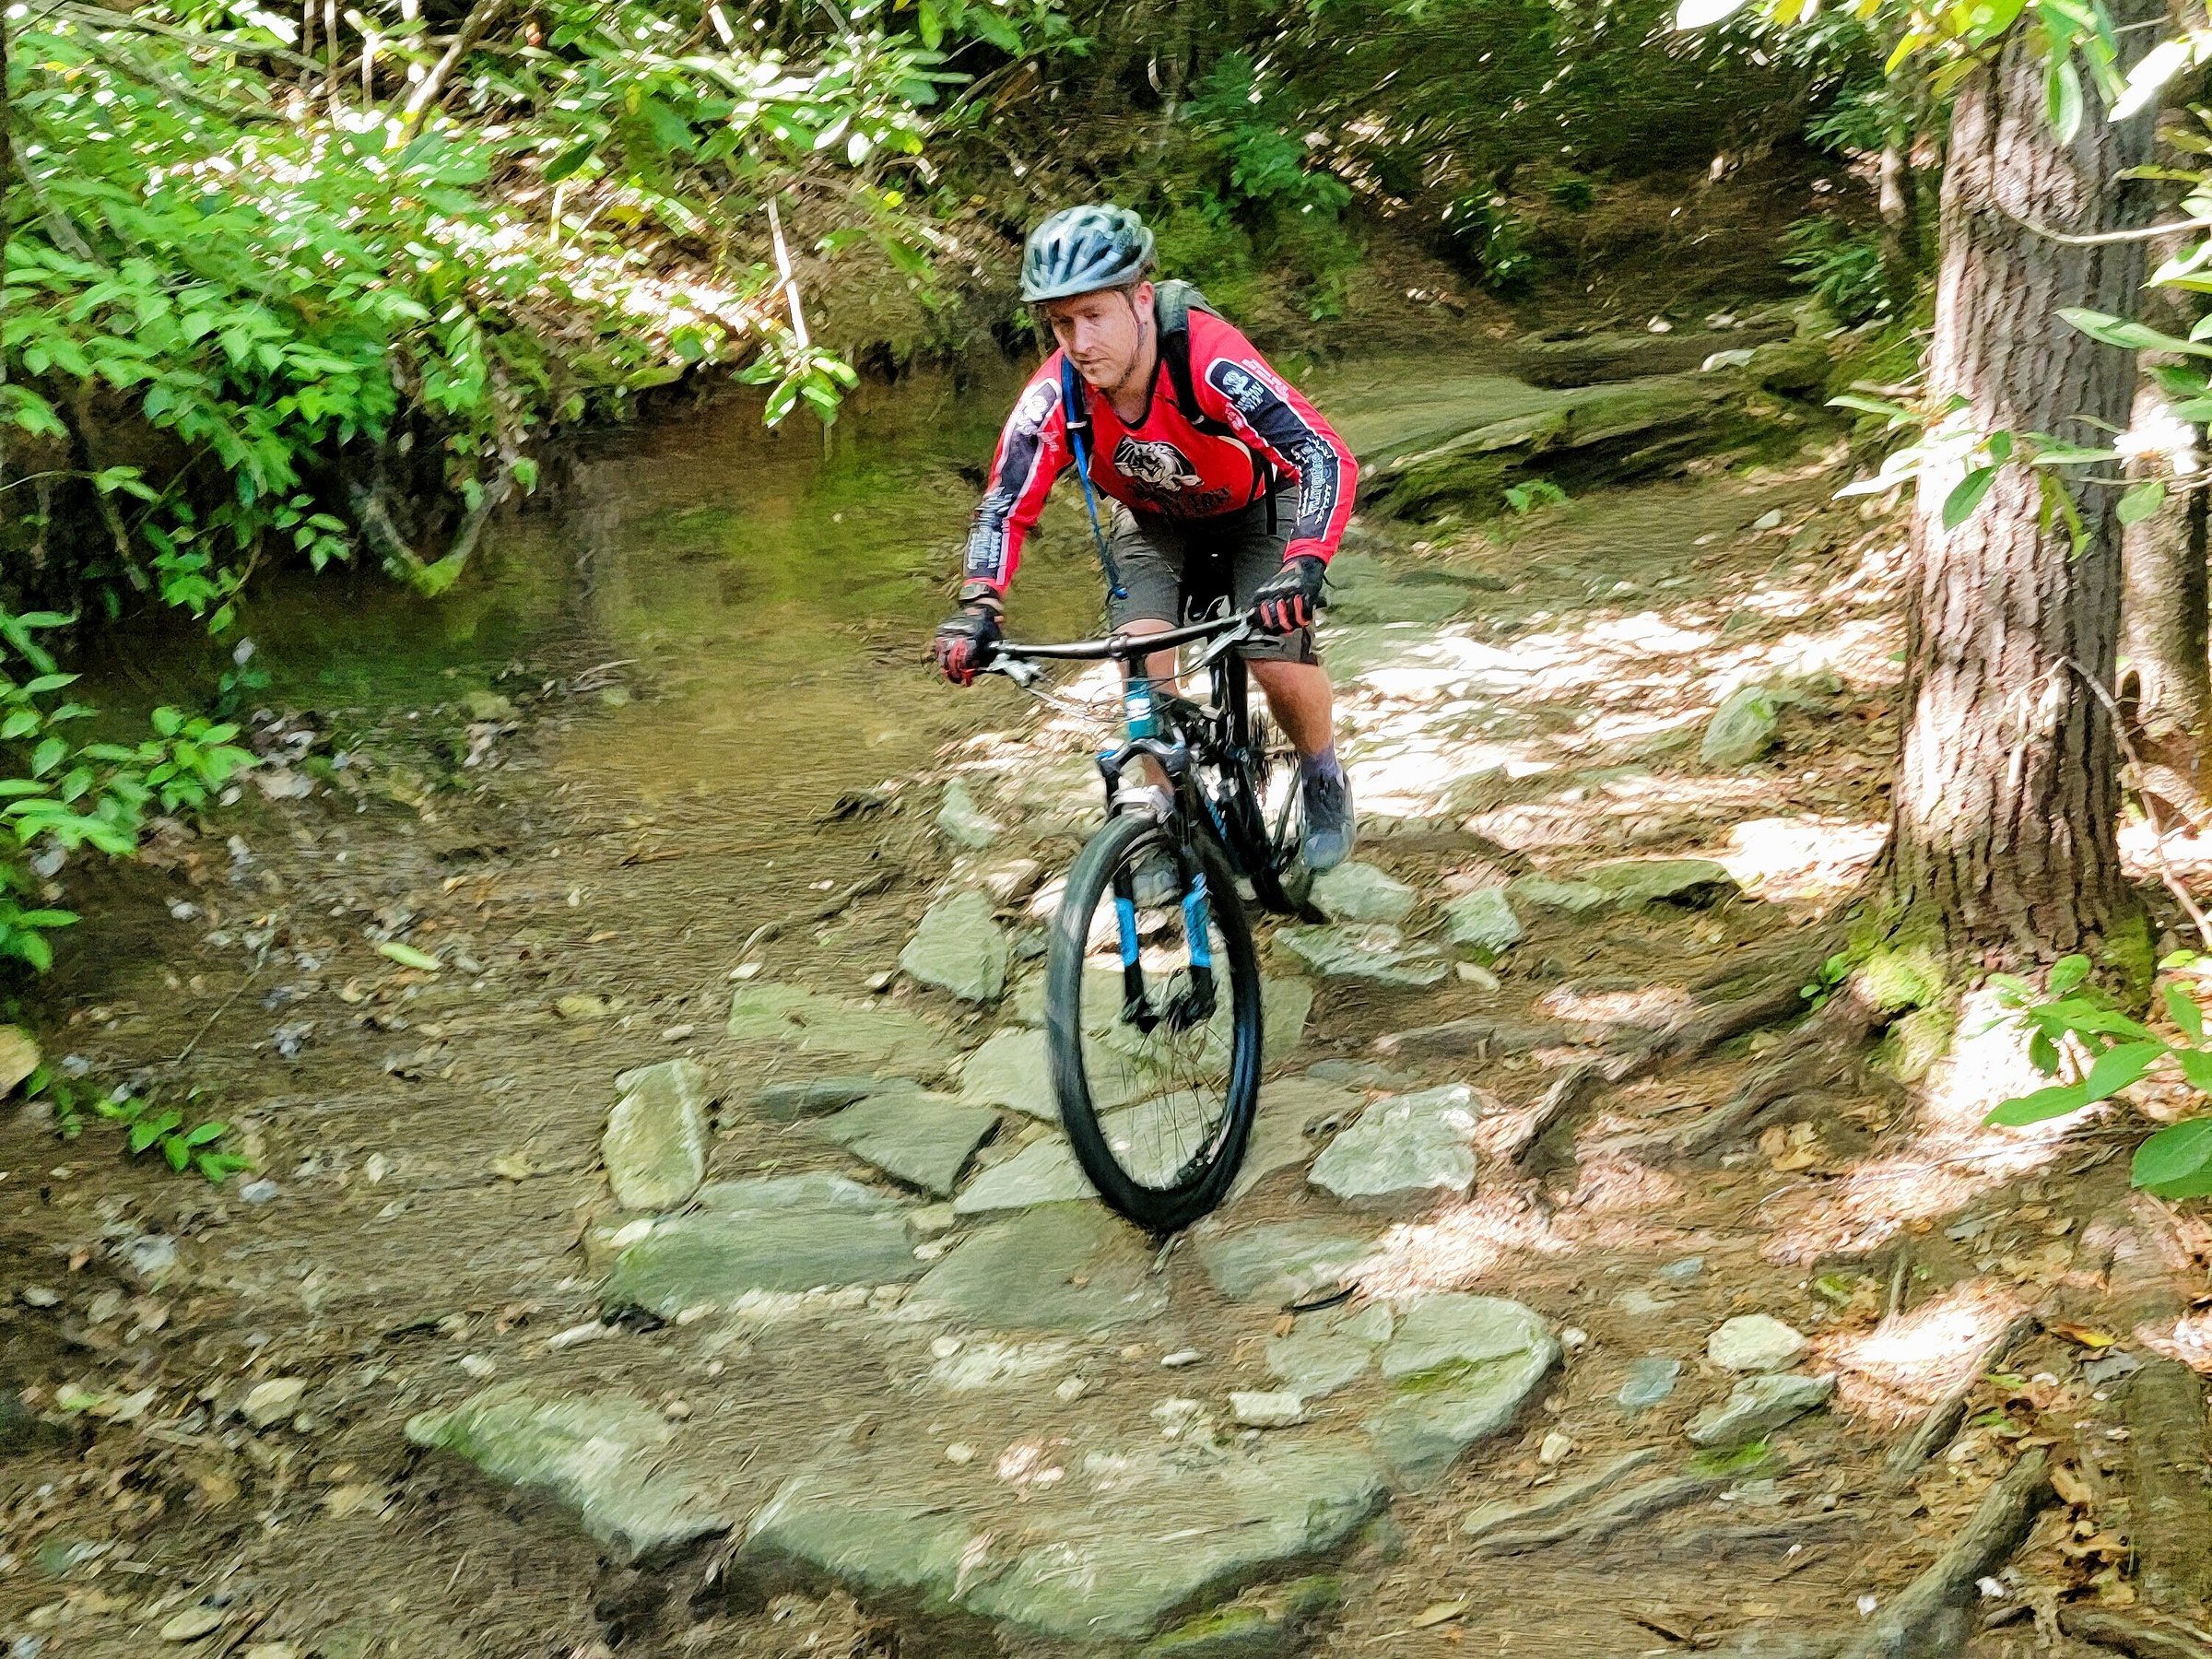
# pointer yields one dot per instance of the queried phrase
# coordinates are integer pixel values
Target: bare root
(1935, 1429)
(2146, 1637)
(1934, 1605)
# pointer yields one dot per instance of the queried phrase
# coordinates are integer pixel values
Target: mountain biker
(1224, 482)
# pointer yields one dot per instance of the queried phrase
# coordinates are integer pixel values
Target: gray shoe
(1330, 828)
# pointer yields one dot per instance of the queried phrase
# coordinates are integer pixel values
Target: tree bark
(2004, 813)
(2165, 680)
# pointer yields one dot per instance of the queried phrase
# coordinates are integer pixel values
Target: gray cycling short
(1174, 571)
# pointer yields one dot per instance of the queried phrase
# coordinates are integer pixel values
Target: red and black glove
(964, 640)
(1290, 599)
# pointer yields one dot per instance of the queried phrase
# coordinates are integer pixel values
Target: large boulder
(1594, 358)
(1052, 1267)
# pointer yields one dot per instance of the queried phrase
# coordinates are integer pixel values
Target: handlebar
(1120, 647)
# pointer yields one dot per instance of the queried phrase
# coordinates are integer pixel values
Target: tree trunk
(2165, 680)
(2002, 815)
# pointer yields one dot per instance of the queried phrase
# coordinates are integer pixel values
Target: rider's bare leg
(1300, 699)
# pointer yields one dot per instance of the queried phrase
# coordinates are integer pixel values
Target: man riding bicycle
(1225, 482)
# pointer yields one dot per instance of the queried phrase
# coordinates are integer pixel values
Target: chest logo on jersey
(1155, 466)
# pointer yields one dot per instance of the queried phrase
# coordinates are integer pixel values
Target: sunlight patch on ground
(1951, 1157)
(2187, 1339)
(1463, 1245)
(1908, 1361)
(1811, 857)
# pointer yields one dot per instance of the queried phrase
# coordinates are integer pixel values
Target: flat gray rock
(1279, 1261)
(1405, 1153)
(1278, 1128)
(1044, 1172)
(1011, 1070)
(960, 947)
(1636, 882)
(1330, 1350)
(787, 1021)
(798, 1232)
(1483, 921)
(656, 1143)
(1126, 1543)
(961, 822)
(1460, 1368)
(1650, 1380)
(1547, 892)
(1360, 892)
(1754, 1342)
(817, 1096)
(922, 1141)
(608, 1456)
(1374, 954)
(1056, 1267)
(1757, 1404)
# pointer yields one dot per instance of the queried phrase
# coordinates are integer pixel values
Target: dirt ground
(430, 1142)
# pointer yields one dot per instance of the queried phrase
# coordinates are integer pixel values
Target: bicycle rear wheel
(1155, 1045)
(1267, 812)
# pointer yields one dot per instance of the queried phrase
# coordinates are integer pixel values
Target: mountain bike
(1152, 984)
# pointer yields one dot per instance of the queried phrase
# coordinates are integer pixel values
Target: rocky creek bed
(692, 1263)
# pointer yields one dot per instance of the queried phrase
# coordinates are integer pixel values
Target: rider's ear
(1140, 298)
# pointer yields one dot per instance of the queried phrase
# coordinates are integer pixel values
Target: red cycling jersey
(1250, 429)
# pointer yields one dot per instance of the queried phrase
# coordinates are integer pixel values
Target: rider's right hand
(963, 643)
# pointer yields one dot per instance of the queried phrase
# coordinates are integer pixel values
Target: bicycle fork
(1195, 1004)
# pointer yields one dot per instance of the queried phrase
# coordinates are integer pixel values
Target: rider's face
(1102, 333)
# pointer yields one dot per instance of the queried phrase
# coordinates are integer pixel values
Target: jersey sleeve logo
(1155, 466)
(1244, 390)
(1036, 404)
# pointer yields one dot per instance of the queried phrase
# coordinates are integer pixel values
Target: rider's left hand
(1289, 600)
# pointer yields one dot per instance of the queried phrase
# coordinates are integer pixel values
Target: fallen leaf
(2066, 1481)
(2086, 1335)
(1438, 1613)
(406, 956)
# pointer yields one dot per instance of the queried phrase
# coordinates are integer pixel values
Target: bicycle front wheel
(1152, 1014)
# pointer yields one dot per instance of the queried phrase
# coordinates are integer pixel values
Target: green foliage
(2076, 1028)
(1525, 498)
(1828, 980)
(185, 1146)
(60, 794)
(1491, 238)
(1842, 267)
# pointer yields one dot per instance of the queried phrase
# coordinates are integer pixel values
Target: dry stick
(472, 27)
(790, 283)
(1999, 1523)
(1941, 1420)
(1900, 1276)
(860, 889)
(330, 42)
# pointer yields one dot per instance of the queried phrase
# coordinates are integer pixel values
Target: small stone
(1753, 1342)
(1555, 1449)
(932, 1220)
(960, 1452)
(271, 1649)
(270, 1402)
(1475, 973)
(257, 1192)
(590, 1330)
(964, 824)
(1044, 1172)
(1769, 520)
(1632, 883)
(1681, 1272)
(960, 947)
(656, 1143)
(579, 1006)
(39, 1296)
(1072, 1389)
(1757, 1404)
(1483, 921)
(192, 1624)
(1574, 1339)
(944, 1348)
(478, 1366)
(1279, 1409)
(1741, 730)
(1649, 1381)
(373, 1170)
(1360, 892)
(1180, 1358)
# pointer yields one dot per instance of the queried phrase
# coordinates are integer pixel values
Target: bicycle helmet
(1081, 250)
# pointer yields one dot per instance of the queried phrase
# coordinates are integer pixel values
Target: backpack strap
(1075, 408)
(1172, 303)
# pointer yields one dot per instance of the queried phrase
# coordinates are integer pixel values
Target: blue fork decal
(1194, 927)
(1126, 914)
